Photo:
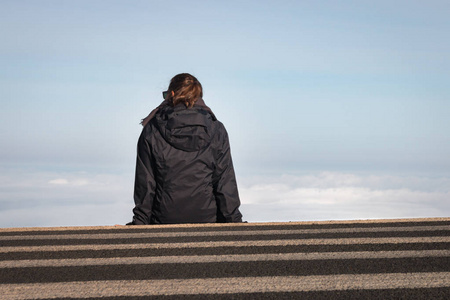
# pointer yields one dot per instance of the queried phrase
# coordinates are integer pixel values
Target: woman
(184, 171)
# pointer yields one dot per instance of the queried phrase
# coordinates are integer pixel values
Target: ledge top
(256, 224)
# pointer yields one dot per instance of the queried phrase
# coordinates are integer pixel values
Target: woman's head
(185, 88)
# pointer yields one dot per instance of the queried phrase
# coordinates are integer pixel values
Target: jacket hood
(188, 129)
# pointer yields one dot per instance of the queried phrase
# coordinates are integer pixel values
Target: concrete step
(365, 259)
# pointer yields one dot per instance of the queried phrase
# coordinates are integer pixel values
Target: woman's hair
(186, 89)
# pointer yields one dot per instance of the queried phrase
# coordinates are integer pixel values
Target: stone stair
(371, 259)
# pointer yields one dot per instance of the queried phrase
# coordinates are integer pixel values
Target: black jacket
(184, 171)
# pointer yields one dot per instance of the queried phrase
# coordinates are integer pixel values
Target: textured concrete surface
(374, 259)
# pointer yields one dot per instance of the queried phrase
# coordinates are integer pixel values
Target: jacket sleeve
(224, 183)
(144, 185)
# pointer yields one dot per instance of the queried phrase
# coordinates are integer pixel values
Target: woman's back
(184, 171)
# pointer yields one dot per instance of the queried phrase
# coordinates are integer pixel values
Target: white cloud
(83, 198)
(61, 181)
(72, 182)
(333, 195)
(34, 198)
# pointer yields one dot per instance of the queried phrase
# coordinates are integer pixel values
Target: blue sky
(310, 89)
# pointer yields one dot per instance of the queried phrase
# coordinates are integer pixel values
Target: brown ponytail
(186, 89)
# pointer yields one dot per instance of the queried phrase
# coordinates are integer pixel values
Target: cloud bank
(83, 198)
(337, 196)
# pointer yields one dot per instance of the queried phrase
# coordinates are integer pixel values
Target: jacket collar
(198, 104)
